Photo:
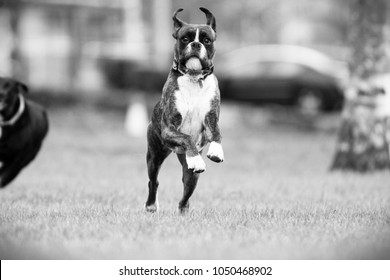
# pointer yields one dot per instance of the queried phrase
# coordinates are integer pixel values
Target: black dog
(23, 126)
(186, 117)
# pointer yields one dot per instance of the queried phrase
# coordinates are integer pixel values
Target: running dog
(23, 126)
(186, 118)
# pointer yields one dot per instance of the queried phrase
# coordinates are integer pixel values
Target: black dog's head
(9, 94)
(194, 40)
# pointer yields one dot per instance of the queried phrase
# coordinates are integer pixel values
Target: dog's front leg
(215, 152)
(179, 142)
(182, 143)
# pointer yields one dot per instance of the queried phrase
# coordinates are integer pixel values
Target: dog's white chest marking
(193, 101)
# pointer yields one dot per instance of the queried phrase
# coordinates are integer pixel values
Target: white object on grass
(136, 121)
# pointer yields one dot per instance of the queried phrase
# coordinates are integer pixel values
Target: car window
(267, 69)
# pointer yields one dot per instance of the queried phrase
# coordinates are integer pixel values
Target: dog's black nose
(196, 45)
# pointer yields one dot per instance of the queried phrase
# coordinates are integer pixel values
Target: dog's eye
(207, 41)
(185, 40)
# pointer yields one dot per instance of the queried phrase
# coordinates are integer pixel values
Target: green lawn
(272, 198)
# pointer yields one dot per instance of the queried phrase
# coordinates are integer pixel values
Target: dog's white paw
(215, 152)
(196, 163)
(152, 208)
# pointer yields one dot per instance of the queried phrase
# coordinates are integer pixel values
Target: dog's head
(9, 93)
(194, 41)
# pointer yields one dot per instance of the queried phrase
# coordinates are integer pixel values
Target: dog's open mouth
(194, 66)
(193, 63)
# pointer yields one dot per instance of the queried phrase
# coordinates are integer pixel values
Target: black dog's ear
(210, 18)
(177, 23)
(22, 88)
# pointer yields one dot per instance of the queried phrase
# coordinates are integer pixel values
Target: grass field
(272, 198)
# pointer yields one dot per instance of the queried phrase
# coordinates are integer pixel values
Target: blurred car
(282, 74)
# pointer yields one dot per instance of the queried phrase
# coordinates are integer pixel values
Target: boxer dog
(23, 126)
(186, 117)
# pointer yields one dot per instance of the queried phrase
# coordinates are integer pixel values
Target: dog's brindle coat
(23, 126)
(186, 117)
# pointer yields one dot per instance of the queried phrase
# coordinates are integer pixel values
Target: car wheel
(309, 101)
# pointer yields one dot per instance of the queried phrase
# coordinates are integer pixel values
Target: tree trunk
(363, 143)
(16, 56)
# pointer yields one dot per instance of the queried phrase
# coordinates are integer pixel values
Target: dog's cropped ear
(177, 23)
(22, 88)
(210, 18)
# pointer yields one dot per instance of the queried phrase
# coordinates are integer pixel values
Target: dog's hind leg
(190, 179)
(155, 156)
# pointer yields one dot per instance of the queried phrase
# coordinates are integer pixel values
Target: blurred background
(275, 51)
(98, 66)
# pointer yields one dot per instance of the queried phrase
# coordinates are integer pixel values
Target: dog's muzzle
(206, 71)
(196, 46)
(195, 49)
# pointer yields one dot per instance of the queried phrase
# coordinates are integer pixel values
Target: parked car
(282, 74)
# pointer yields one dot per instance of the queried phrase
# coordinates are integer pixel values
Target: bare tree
(364, 136)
